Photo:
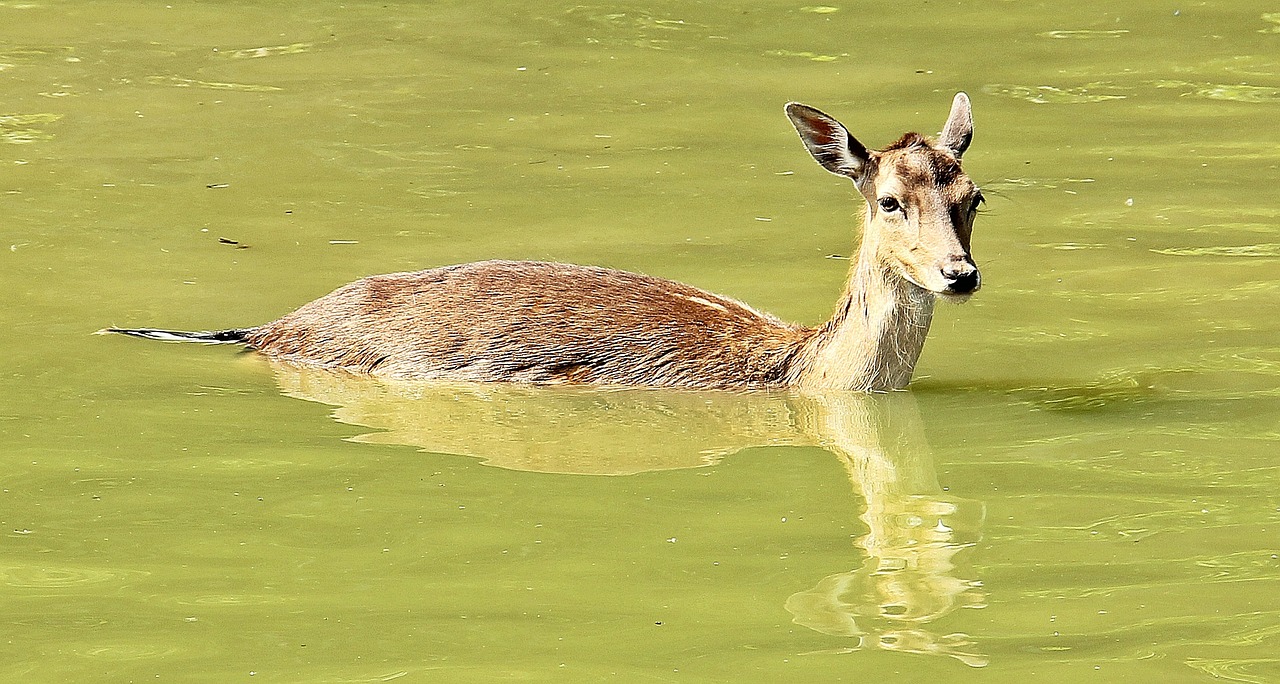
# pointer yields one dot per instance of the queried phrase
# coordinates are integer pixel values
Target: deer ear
(829, 142)
(958, 132)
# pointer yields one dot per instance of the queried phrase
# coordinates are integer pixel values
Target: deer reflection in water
(909, 578)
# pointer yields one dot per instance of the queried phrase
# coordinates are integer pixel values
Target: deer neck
(874, 338)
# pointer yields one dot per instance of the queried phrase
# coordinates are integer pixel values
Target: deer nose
(962, 277)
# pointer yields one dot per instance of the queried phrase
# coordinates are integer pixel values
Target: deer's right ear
(829, 142)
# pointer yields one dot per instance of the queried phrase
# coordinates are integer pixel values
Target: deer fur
(539, 322)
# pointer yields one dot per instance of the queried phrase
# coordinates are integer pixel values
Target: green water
(1080, 487)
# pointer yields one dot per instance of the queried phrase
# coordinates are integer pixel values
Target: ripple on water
(805, 54)
(38, 53)
(268, 51)
(1268, 249)
(1071, 246)
(1240, 93)
(607, 26)
(1033, 182)
(235, 600)
(50, 620)
(1252, 670)
(1237, 92)
(104, 482)
(42, 577)
(1045, 94)
(1229, 375)
(252, 463)
(1083, 34)
(1038, 335)
(1246, 65)
(21, 129)
(126, 652)
(438, 172)
(391, 676)
(1100, 91)
(180, 82)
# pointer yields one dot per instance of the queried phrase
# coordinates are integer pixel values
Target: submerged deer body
(537, 322)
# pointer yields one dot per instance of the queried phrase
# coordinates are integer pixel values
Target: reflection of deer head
(914, 532)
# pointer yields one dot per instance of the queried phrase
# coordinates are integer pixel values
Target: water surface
(1081, 485)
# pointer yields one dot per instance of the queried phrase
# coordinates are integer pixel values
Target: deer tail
(232, 336)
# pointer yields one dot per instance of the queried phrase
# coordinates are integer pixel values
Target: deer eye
(889, 204)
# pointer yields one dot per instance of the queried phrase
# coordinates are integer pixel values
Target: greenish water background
(1081, 485)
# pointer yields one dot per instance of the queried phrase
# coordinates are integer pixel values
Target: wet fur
(537, 322)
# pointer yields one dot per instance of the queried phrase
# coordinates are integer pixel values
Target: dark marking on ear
(829, 142)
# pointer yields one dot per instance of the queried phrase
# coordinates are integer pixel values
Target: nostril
(962, 278)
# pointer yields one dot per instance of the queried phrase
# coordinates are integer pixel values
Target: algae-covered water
(1081, 485)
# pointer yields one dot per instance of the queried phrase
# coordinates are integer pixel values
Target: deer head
(920, 204)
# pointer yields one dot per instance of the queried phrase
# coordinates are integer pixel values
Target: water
(1079, 487)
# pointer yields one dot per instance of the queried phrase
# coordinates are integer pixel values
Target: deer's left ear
(958, 132)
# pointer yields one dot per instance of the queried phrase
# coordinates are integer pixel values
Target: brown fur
(525, 321)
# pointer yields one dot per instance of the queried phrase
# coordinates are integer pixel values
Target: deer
(537, 322)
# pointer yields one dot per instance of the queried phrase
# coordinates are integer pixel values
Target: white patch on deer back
(705, 302)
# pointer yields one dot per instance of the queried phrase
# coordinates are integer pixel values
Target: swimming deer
(547, 323)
